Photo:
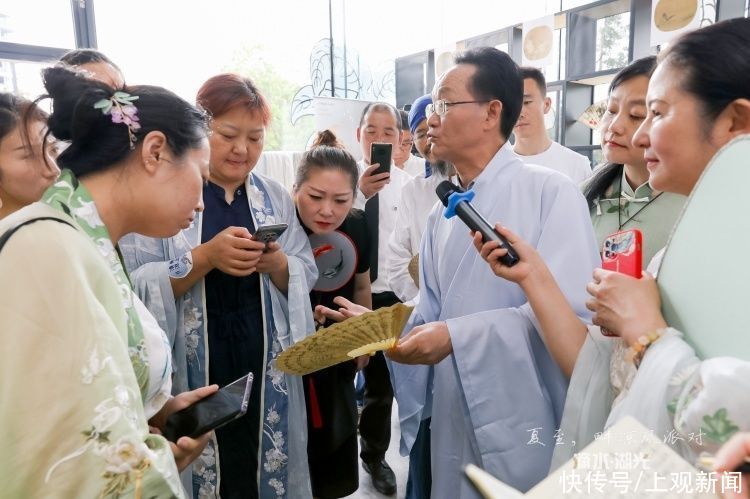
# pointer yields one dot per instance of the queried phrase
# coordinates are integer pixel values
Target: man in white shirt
(533, 145)
(402, 157)
(381, 193)
(417, 200)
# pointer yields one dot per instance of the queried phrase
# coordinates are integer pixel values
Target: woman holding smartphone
(698, 101)
(233, 303)
(324, 193)
(618, 194)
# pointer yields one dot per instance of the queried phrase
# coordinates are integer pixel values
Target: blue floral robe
(283, 469)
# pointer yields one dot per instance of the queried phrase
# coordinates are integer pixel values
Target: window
(21, 22)
(179, 45)
(599, 38)
(21, 77)
(600, 93)
(556, 69)
(612, 37)
(551, 119)
(35, 33)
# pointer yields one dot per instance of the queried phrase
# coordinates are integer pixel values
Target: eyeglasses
(440, 107)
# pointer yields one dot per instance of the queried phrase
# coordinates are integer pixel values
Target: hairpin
(120, 107)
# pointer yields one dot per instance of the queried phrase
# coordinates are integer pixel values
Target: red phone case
(623, 252)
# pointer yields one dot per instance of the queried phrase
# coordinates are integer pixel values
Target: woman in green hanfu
(77, 365)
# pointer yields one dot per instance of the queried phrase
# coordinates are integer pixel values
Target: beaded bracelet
(638, 349)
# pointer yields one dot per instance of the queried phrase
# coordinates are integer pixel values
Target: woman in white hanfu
(698, 101)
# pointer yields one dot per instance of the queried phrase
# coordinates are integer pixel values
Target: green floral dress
(74, 364)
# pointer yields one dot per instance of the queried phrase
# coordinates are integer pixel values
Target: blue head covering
(417, 112)
(417, 115)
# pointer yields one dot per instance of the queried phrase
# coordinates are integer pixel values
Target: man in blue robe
(471, 356)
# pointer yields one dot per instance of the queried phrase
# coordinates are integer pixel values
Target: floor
(399, 464)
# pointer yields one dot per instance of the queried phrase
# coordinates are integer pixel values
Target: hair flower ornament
(121, 109)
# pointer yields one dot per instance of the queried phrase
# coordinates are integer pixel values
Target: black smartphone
(269, 233)
(212, 412)
(381, 154)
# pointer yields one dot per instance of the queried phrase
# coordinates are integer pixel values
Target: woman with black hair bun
(324, 191)
(83, 378)
(619, 194)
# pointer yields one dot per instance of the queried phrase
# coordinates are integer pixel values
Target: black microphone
(458, 202)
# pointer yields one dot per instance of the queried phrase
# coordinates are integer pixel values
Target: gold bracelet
(638, 350)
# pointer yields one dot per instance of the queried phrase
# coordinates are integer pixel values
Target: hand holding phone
(381, 154)
(623, 252)
(232, 251)
(371, 183)
(212, 412)
(269, 233)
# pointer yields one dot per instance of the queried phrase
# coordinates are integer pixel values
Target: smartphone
(212, 412)
(623, 252)
(381, 154)
(269, 233)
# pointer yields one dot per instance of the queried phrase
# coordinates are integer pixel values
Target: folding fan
(362, 335)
